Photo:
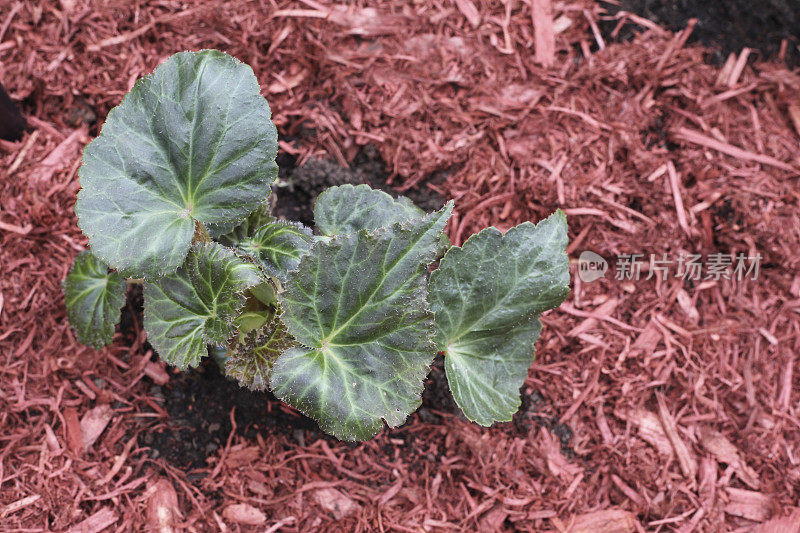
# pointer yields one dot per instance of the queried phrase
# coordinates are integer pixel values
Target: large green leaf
(192, 142)
(197, 304)
(487, 297)
(348, 209)
(94, 296)
(277, 246)
(250, 360)
(357, 305)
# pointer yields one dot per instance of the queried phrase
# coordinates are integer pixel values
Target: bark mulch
(659, 404)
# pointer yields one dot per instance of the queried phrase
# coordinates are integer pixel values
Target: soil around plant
(725, 26)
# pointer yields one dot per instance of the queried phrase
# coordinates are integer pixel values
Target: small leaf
(251, 320)
(250, 360)
(487, 297)
(191, 142)
(197, 304)
(94, 296)
(348, 209)
(265, 293)
(276, 246)
(357, 304)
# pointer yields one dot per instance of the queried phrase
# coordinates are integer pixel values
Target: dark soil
(11, 122)
(298, 187)
(726, 26)
(199, 404)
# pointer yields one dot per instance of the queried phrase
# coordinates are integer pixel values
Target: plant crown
(342, 324)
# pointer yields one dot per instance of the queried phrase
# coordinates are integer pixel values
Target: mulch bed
(660, 404)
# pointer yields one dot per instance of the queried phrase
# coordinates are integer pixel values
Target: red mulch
(683, 397)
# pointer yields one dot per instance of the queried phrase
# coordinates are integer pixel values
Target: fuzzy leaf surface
(94, 296)
(347, 209)
(487, 297)
(251, 358)
(276, 246)
(197, 304)
(191, 142)
(229, 232)
(357, 304)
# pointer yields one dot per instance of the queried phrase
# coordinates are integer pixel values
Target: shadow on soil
(725, 26)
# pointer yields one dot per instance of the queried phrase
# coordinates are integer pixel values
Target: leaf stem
(135, 281)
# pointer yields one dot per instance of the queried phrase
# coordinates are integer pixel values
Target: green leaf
(265, 293)
(487, 297)
(237, 230)
(197, 304)
(251, 320)
(94, 296)
(348, 209)
(357, 305)
(191, 142)
(251, 358)
(276, 246)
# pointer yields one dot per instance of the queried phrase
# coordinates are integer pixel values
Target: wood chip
(783, 524)
(749, 504)
(470, 12)
(93, 424)
(61, 155)
(608, 521)
(156, 370)
(695, 137)
(725, 452)
(19, 504)
(163, 514)
(335, 502)
(102, 519)
(650, 429)
(674, 183)
(245, 514)
(544, 37)
(686, 459)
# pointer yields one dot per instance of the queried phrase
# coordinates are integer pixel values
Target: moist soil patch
(199, 402)
(724, 26)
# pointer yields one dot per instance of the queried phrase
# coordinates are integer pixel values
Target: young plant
(344, 323)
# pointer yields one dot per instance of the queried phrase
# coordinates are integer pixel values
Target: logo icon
(591, 266)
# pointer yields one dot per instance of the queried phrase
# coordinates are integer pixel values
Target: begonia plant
(342, 321)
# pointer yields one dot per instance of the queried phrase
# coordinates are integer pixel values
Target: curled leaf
(251, 358)
(276, 246)
(197, 304)
(94, 296)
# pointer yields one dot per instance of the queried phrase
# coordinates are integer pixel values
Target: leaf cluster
(343, 323)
